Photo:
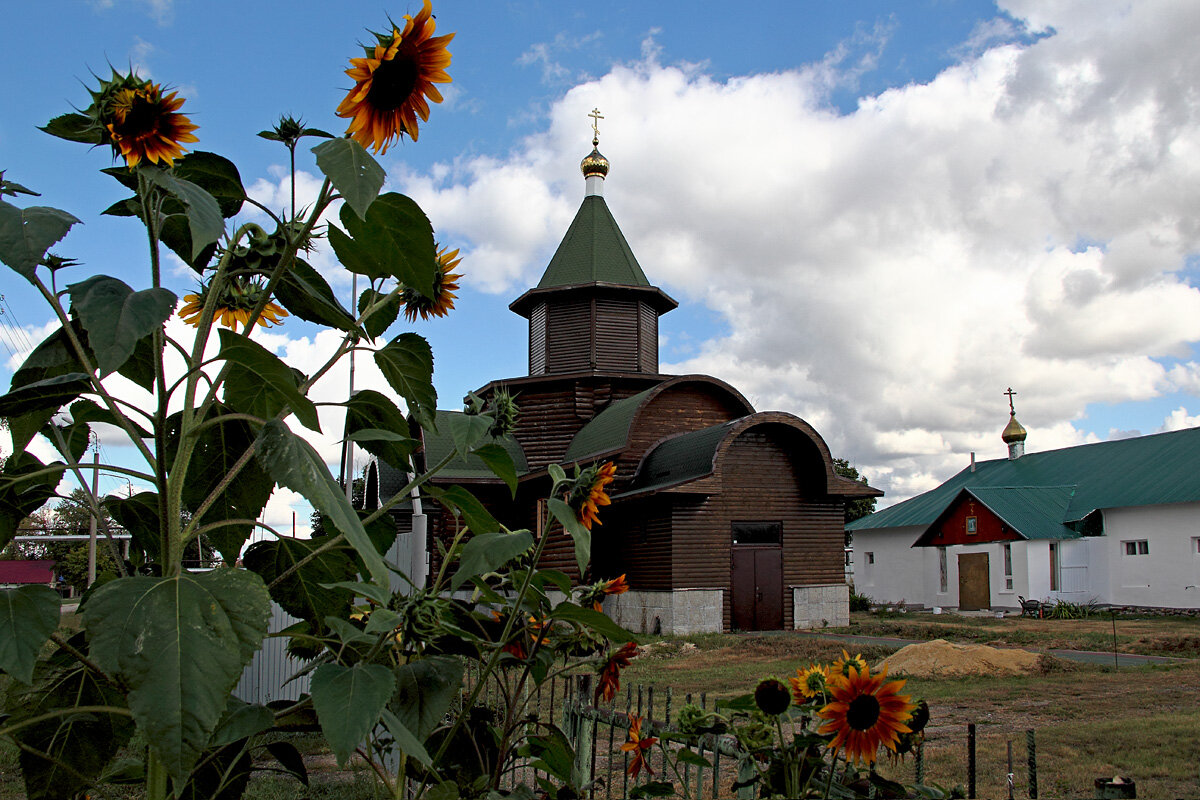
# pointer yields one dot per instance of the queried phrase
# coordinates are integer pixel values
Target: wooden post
(971, 760)
(1031, 748)
(580, 730)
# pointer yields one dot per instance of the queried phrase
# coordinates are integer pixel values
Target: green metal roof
(1035, 512)
(1143, 471)
(681, 458)
(439, 445)
(594, 250)
(608, 431)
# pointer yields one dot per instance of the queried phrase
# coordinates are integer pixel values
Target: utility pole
(95, 504)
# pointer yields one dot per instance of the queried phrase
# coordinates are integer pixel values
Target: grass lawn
(1089, 721)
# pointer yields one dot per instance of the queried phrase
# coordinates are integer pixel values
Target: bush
(859, 602)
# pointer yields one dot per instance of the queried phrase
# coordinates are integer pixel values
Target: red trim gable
(953, 525)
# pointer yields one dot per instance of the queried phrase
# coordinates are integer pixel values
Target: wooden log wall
(766, 478)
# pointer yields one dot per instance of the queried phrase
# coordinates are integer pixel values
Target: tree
(855, 509)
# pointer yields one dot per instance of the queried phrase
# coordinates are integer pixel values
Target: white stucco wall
(899, 569)
(1168, 575)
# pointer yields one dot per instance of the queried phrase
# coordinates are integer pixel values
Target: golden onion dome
(594, 164)
(1014, 431)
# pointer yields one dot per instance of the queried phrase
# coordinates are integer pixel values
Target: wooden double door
(757, 587)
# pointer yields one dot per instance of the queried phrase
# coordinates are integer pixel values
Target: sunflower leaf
(381, 318)
(28, 615)
(259, 383)
(461, 501)
(75, 128)
(394, 239)
(216, 175)
(202, 211)
(352, 171)
(179, 643)
(571, 524)
(349, 701)
(305, 294)
(293, 463)
(116, 317)
(369, 411)
(21, 496)
(27, 233)
(488, 552)
(407, 364)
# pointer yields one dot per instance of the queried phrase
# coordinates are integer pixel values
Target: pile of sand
(942, 659)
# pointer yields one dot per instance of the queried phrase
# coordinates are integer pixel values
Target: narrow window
(1008, 573)
(1053, 567)
(943, 578)
(870, 558)
(972, 524)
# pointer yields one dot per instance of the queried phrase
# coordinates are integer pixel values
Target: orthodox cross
(1010, 394)
(595, 115)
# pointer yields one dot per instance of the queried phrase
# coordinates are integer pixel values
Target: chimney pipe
(972, 461)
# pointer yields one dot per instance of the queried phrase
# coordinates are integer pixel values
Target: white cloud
(1021, 219)
(1179, 419)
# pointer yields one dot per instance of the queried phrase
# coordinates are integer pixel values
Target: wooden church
(722, 517)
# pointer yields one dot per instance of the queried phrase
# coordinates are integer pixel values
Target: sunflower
(809, 683)
(772, 696)
(143, 123)
(586, 492)
(842, 667)
(638, 745)
(866, 712)
(235, 304)
(445, 284)
(393, 80)
(610, 673)
(595, 594)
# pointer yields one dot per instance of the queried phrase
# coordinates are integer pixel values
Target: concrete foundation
(679, 612)
(820, 606)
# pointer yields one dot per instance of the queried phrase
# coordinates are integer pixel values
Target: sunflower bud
(772, 696)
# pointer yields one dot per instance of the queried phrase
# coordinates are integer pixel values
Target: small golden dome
(1014, 431)
(594, 164)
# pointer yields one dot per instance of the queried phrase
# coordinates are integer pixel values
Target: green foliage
(162, 648)
(859, 602)
(855, 509)
(28, 615)
(179, 643)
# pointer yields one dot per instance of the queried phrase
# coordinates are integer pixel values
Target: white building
(1116, 523)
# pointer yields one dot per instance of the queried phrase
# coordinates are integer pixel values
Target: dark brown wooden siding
(569, 344)
(616, 334)
(766, 477)
(635, 540)
(679, 409)
(537, 340)
(647, 338)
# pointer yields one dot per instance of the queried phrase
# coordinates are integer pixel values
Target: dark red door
(757, 585)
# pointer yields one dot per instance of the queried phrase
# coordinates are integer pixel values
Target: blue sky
(876, 216)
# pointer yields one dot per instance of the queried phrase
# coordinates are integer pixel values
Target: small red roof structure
(26, 572)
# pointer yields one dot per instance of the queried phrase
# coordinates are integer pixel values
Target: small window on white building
(1196, 545)
(870, 558)
(943, 567)
(1008, 573)
(1140, 547)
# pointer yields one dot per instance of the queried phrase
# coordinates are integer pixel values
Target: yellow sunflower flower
(392, 82)
(866, 713)
(233, 307)
(587, 495)
(809, 683)
(445, 284)
(143, 124)
(842, 667)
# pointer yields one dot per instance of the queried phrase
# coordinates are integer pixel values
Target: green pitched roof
(594, 250)
(1035, 512)
(1143, 471)
(608, 431)
(681, 458)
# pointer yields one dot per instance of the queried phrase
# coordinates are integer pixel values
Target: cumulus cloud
(1020, 219)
